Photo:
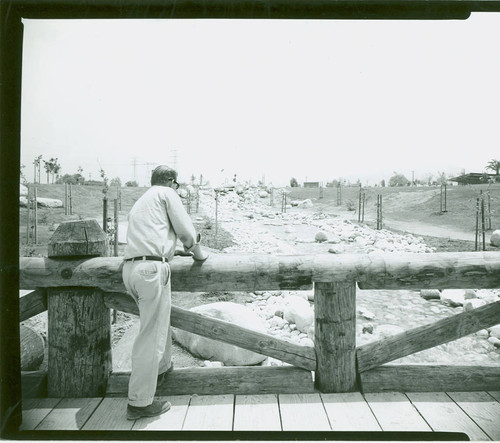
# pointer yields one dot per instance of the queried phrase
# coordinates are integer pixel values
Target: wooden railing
(78, 293)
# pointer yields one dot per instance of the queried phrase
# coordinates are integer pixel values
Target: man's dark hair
(162, 174)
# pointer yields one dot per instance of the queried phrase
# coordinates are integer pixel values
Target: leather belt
(147, 257)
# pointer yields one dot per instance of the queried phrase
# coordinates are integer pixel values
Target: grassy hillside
(421, 204)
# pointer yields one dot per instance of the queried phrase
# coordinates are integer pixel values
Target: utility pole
(134, 164)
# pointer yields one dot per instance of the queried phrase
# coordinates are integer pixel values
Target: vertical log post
(79, 324)
(35, 215)
(335, 336)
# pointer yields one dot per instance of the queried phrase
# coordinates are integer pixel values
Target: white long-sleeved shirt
(155, 222)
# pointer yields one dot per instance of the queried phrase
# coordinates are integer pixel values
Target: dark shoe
(162, 377)
(154, 409)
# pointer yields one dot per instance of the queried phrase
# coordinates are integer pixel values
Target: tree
(52, 168)
(72, 179)
(442, 179)
(116, 182)
(294, 183)
(131, 184)
(23, 178)
(36, 166)
(398, 180)
(494, 165)
(382, 183)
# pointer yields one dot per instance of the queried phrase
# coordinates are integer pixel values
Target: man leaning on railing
(155, 222)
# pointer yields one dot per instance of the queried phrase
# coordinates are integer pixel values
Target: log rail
(339, 365)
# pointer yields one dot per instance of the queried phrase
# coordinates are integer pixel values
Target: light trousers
(149, 284)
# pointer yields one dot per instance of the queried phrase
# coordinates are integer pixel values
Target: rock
(276, 322)
(368, 328)
(320, 237)
(495, 238)
(337, 249)
(473, 303)
(470, 293)
(49, 202)
(214, 350)
(182, 192)
(295, 203)
(299, 311)
(279, 313)
(213, 364)
(23, 202)
(430, 294)
(495, 331)
(360, 241)
(366, 313)
(263, 194)
(306, 342)
(453, 297)
(307, 203)
(494, 341)
(23, 190)
(483, 333)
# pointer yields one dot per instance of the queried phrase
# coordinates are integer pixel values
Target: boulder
(263, 194)
(336, 249)
(182, 192)
(473, 303)
(209, 349)
(320, 237)
(307, 203)
(494, 341)
(470, 293)
(23, 202)
(430, 294)
(495, 238)
(23, 190)
(453, 297)
(495, 331)
(366, 314)
(49, 202)
(298, 311)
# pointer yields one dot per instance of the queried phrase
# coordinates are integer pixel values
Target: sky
(316, 100)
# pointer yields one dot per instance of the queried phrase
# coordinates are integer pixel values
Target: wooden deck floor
(475, 413)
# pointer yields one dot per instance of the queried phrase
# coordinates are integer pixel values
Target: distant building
(474, 178)
(311, 184)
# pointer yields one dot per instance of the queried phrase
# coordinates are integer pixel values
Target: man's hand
(199, 254)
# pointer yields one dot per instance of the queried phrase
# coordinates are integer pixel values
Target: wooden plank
(250, 272)
(32, 304)
(374, 354)
(303, 412)
(430, 378)
(495, 394)
(110, 415)
(35, 410)
(227, 380)
(257, 413)
(70, 414)
(394, 412)
(443, 415)
(335, 336)
(349, 412)
(482, 408)
(265, 344)
(171, 420)
(210, 413)
(34, 384)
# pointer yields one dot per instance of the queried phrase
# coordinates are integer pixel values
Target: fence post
(35, 215)
(335, 336)
(105, 214)
(28, 218)
(70, 199)
(79, 324)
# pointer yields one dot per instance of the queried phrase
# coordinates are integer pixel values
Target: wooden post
(477, 225)
(482, 223)
(35, 216)
(216, 217)
(79, 324)
(70, 199)
(105, 214)
(335, 336)
(115, 214)
(66, 199)
(28, 218)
